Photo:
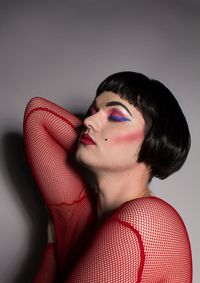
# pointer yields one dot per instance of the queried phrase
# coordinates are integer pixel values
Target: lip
(86, 139)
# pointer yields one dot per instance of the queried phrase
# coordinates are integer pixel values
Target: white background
(62, 50)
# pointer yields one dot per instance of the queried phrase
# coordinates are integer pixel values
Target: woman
(113, 230)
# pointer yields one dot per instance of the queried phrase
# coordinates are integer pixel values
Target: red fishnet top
(145, 240)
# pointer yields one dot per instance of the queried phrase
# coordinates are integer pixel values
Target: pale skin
(117, 128)
(118, 134)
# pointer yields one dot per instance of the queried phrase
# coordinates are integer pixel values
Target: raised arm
(51, 133)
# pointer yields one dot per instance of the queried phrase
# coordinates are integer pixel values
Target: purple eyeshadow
(117, 118)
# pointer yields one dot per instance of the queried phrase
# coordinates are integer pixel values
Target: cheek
(130, 138)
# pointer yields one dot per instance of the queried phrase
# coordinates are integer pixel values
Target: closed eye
(117, 118)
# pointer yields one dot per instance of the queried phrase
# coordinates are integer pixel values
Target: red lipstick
(86, 139)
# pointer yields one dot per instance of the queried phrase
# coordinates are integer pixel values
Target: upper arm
(145, 241)
(164, 237)
(115, 255)
(50, 135)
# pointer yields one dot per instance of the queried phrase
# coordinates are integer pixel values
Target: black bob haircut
(167, 138)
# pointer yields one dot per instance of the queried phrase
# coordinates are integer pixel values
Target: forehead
(108, 96)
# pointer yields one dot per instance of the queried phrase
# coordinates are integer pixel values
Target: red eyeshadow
(139, 135)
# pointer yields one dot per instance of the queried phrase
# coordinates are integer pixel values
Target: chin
(82, 157)
(87, 160)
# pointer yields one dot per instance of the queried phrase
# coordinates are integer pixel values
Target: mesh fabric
(145, 240)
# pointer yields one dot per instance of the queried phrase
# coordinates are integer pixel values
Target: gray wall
(62, 50)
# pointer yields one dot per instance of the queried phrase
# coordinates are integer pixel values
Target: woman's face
(116, 128)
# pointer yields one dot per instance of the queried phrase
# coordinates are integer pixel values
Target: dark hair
(167, 138)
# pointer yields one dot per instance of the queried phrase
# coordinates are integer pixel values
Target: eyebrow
(114, 103)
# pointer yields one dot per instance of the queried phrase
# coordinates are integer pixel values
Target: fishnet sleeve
(115, 255)
(48, 269)
(51, 133)
(145, 241)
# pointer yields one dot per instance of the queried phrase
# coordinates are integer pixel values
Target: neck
(116, 188)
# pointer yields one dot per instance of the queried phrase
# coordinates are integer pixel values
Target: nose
(93, 122)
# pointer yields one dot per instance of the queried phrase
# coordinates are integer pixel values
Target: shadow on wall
(30, 201)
